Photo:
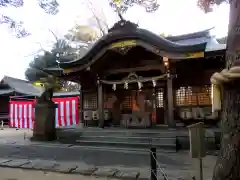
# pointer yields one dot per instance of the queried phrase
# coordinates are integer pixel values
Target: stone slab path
(69, 168)
(21, 174)
(16, 151)
(113, 172)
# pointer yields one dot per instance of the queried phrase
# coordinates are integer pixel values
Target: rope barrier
(226, 75)
(159, 167)
(219, 78)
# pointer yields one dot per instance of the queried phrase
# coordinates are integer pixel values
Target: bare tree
(49, 6)
(123, 5)
(99, 17)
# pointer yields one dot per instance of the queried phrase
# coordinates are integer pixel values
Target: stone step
(165, 144)
(119, 138)
(125, 133)
(126, 144)
(123, 130)
(135, 139)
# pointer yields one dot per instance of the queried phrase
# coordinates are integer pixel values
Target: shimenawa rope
(219, 78)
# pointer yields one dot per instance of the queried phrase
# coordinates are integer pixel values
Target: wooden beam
(141, 68)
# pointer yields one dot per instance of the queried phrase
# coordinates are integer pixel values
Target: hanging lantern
(114, 87)
(139, 85)
(166, 62)
(125, 85)
(154, 83)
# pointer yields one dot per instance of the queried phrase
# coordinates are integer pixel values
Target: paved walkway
(119, 171)
(72, 168)
(20, 174)
(17, 152)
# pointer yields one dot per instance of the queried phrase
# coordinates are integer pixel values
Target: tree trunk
(228, 164)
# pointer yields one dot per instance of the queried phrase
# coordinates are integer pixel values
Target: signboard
(127, 43)
(197, 144)
(67, 70)
(194, 55)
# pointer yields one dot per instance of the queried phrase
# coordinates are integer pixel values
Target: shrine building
(133, 78)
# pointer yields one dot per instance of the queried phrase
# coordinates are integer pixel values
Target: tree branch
(49, 6)
(14, 3)
(149, 5)
(206, 5)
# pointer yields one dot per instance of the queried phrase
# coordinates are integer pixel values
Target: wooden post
(153, 120)
(197, 146)
(170, 115)
(171, 122)
(82, 121)
(153, 163)
(100, 105)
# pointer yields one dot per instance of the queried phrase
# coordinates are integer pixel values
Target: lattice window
(204, 96)
(90, 101)
(186, 96)
(127, 102)
(159, 99)
(194, 98)
(188, 99)
(180, 96)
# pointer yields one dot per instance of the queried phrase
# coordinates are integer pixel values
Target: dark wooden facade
(134, 78)
(5, 93)
(193, 90)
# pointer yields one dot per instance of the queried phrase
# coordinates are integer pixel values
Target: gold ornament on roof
(123, 46)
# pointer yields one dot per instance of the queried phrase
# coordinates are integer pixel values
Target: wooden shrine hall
(134, 78)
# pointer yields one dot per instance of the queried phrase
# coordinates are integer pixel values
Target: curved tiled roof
(199, 34)
(125, 30)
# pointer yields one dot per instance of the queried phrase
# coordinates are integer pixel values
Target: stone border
(85, 170)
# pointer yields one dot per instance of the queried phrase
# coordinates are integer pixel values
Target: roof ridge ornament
(123, 24)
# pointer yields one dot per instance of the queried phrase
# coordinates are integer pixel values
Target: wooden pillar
(81, 115)
(100, 105)
(171, 121)
(154, 118)
(170, 106)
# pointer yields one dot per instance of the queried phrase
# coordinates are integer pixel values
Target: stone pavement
(16, 151)
(115, 171)
(20, 174)
(70, 168)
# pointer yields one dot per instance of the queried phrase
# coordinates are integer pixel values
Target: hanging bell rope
(219, 78)
(142, 80)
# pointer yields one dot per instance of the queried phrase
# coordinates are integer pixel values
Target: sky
(174, 17)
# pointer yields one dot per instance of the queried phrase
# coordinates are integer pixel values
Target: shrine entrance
(134, 103)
